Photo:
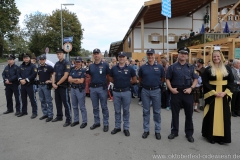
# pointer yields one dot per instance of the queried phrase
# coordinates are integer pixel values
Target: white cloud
(104, 21)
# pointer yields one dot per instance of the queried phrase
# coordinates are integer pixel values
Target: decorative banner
(166, 8)
(237, 53)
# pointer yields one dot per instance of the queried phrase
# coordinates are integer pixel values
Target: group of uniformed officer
(180, 79)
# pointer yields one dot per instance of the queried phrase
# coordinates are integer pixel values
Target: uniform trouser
(46, 100)
(155, 97)
(9, 91)
(28, 89)
(62, 97)
(78, 98)
(122, 100)
(135, 89)
(97, 94)
(186, 101)
(235, 102)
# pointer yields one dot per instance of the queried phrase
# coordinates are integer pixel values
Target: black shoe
(115, 130)
(43, 117)
(172, 136)
(145, 135)
(33, 116)
(105, 128)
(57, 119)
(7, 112)
(83, 125)
(74, 124)
(233, 114)
(127, 133)
(158, 136)
(213, 142)
(17, 113)
(190, 139)
(201, 108)
(221, 143)
(22, 114)
(94, 126)
(66, 124)
(49, 119)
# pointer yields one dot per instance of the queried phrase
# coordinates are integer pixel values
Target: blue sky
(104, 21)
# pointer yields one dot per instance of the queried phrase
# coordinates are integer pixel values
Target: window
(154, 38)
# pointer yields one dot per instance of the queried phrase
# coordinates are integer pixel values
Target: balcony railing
(202, 38)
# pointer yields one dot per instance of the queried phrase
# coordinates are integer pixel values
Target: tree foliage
(9, 19)
(45, 31)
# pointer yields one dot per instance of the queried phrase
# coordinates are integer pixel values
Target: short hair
(235, 61)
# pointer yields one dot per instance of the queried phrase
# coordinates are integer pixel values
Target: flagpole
(167, 38)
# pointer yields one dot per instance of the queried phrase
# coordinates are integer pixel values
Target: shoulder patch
(68, 66)
(35, 69)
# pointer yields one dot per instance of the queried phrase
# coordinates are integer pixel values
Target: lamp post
(68, 4)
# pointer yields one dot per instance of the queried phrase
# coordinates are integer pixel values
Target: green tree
(9, 19)
(16, 41)
(85, 53)
(36, 30)
(71, 27)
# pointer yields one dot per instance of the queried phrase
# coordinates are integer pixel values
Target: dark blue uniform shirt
(10, 73)
(99, 72)
(151, 74)
(28, 71)
(122, 76)
(45, 72)
(78, 73)
(181, 76)
(60, 68)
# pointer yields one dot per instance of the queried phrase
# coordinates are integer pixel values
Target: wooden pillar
(142, 35)
(190, 57)
(214, 13)
(231, 49)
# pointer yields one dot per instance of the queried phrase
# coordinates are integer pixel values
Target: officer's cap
(121, 54)
(200, 60)
(150, 51)
(59, 50)
(78, 59)
(96, 50)
(183, 50)
(11, 57)
(26, 55)
(42, 57)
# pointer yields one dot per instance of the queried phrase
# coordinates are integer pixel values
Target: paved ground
(27, 139)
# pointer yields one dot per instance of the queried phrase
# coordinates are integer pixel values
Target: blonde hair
(221, 67)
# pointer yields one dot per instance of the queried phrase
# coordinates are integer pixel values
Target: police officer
(120, 75)
(60, 84)
(44, 88)
(77, 78)
(98, 72)
(10, 79)
(26, 75)
(151, 76)
(179, 81)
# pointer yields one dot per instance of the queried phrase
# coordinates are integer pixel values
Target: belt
(121, 89)
(151, 88)
(74, 87)
(42, 83)
(97, 85)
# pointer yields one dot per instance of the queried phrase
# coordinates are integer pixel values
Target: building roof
(151, 12)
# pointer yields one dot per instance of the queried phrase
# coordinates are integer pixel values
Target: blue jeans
(99, 94)
(135, 89)
(155, 97)
(46, 100)
(122, 100)
(78, 98)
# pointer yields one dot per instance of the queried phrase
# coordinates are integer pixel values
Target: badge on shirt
(79, 73)
(126, 71)
(22, 68)
(155, 68)
(68, 66)
(45, 69)
(6, 70)
(35, 69)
